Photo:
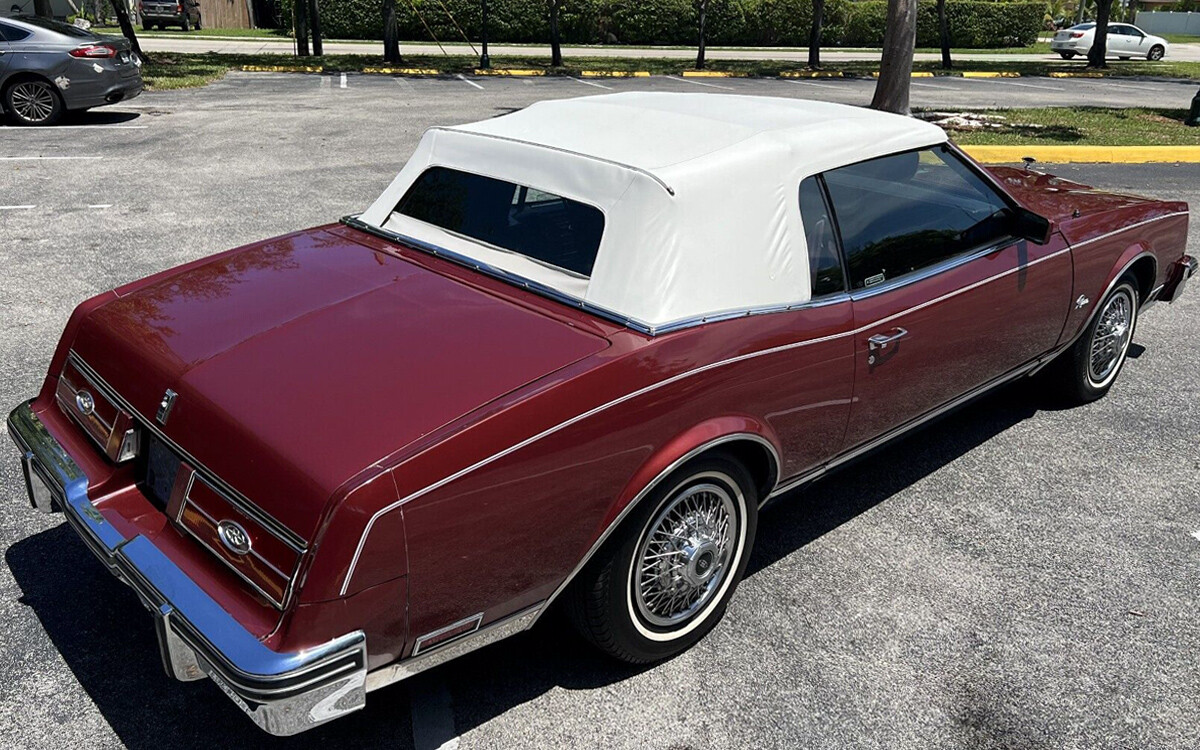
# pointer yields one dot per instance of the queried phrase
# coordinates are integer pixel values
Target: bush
(973, 23)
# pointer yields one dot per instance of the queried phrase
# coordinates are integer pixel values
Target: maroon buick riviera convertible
(565, 357)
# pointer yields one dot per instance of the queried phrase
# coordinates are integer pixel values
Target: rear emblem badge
(234, 537)
(164, 406)
(85, 403)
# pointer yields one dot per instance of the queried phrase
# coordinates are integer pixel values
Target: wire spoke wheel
(685, 555)
(33, 101)
(1111, 338)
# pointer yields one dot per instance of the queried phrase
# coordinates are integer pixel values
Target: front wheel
(1156, 52)
(665, 580)
(1089, 368)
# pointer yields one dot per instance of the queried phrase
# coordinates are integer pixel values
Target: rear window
(58, 26)
(541, 226)
(1083, 26)
(12, 33)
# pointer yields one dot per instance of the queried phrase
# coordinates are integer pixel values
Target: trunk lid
(301, 361)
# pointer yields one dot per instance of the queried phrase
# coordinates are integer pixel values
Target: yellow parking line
(712, 74)
(509, 72)
(615, 74)
(1086, 154)
(404, 71)
(810, 74)
(283, 68)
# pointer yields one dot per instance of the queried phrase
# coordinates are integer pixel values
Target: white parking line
(590, 83)
(463, 78)
(1196, 535)
(432, 716)
(77, 127)
(933, 86)
(1014, 83)
(342, 84)
(1125, 86)
(701, 83)
(100, 205)
(812, 83)
(16, 208)
(52, 158)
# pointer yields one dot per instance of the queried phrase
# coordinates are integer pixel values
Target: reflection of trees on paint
(147, 313)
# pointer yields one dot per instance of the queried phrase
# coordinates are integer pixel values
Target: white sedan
(1124, 41)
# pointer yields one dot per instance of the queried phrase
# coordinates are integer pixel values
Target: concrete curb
(1086, 154)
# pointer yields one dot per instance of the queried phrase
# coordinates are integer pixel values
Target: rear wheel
(1088, 369)
(187, 23)
(1156, 52)
(1067, 55)
(665, 580)
(33, 102)
(199, 18)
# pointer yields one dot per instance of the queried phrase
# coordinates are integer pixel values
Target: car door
(945, 299)
(1135, 40)
(1121, 41)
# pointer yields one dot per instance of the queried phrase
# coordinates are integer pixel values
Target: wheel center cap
(701, 563)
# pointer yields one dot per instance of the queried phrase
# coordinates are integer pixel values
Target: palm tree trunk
(556, 59)
(122, 12)
(391, 33)
(814, 36)
(1097, 54)
(944, 34)
(300, 22)
(895, 70)
(314, 20)
(703, 8)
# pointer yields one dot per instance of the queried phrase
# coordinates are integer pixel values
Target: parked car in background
(563, 358)
(163, 13)
(1125, 41)
(48, 68)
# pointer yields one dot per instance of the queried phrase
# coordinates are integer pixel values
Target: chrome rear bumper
(1177, 278)
(284, 693)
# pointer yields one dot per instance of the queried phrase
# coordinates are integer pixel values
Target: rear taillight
(1076, 34)
(94, 51)
(178, 8)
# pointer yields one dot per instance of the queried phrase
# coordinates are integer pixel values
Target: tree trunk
(944, 34)
(895, 70)
(1097, 54)
(814, 36)
(556, 59)
(41, 9)
(703, 8)
(314, 21)
(391, 33)
(300, 22)
(122, 12)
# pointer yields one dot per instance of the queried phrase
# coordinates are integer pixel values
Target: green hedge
(973, 23)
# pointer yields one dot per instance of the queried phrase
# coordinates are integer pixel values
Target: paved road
(1178, 52)
(1016, 576)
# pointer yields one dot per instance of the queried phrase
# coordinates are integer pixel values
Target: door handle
(881, 340)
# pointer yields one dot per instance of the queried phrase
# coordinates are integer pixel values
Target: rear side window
(65, 29)
(824, 261)
(542, 226)
(904, 212)
(12, 33)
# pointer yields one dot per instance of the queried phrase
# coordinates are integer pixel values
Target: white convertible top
(699, 192)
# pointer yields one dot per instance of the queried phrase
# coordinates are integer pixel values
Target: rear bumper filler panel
(284, 693)
(1177, 277)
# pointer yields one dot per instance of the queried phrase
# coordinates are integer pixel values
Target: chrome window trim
(237, 499)
(928, 272)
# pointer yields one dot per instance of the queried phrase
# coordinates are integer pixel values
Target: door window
(824, 261)
(12, 33)
(905, 212)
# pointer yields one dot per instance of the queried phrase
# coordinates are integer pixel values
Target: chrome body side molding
(438, 655)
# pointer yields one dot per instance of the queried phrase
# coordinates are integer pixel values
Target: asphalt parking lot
(1016, 576)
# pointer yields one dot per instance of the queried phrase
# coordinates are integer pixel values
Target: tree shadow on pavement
(108, 642)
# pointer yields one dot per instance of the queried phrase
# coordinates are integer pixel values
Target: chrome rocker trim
(283, 693)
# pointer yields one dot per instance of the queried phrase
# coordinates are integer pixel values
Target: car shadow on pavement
(100, 117)
(108, 642)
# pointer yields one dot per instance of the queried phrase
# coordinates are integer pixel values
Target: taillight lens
(95, 51)
(178, 8)
(1076, 34)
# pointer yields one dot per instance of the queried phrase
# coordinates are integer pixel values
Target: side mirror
(1030, 226)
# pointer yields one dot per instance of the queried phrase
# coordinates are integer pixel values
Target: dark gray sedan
(48, 67)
